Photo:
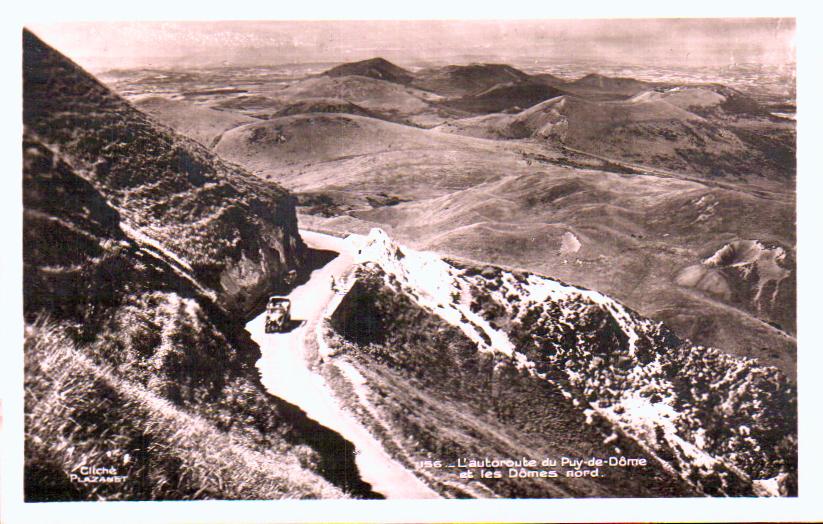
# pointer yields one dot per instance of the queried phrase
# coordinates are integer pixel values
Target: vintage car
(278, 314)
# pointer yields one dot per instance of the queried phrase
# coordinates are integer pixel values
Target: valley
(493, 164)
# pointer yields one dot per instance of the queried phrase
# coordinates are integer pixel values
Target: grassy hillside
(624, 235)
(514, 204)
(367, 92)
(81, 413)
(621, 185)
(235, 234)
(599, 87)
(510, 97)
(142, 252)
(325, 105)
(355, 159)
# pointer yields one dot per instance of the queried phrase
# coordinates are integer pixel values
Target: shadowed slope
(140, 250)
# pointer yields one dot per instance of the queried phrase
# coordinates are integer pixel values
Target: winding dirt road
(286, 373)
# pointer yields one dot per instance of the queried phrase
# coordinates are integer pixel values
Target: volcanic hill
(378, 68)
(458, 80)
(511, 97)
(693, 130)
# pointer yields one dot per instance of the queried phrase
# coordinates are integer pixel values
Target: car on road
(278, 314)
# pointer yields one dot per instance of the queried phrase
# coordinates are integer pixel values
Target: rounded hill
(377, 68)
(319, 137)
(505, 97)
(368, 93)
(324, 105)
(458, 81)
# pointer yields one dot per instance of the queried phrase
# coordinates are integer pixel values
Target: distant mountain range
(436, 145)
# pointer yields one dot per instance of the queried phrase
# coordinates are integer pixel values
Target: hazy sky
(103, 45)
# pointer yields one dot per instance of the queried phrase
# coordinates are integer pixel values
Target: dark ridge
(160, 179)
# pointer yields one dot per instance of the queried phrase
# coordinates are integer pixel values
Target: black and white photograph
(409, 259)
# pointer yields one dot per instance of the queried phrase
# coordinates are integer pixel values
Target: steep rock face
(234, 233)
(61, 209)
(134, 270)
(724, 425)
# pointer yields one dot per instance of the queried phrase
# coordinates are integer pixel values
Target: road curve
(285, 373)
